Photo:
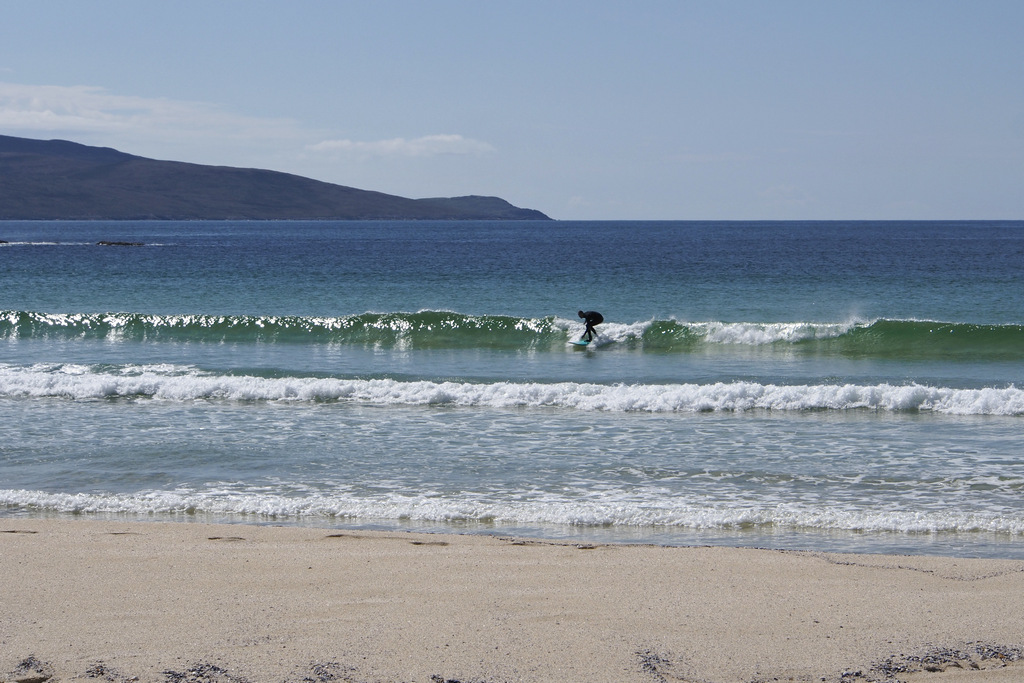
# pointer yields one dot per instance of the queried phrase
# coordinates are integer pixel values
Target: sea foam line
(175, 383)
(400, 507)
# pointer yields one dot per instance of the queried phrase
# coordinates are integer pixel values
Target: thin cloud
(93, 110)
(200, 132)
(426, 146)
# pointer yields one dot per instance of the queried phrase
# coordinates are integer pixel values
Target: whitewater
(173, 383)
(839, 386)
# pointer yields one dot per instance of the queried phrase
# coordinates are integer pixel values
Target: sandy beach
(194, 602)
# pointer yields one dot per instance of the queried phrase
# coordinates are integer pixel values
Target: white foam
(654, 513)
(715, 332)
(178, 383)
(41, 244)
(759, 334)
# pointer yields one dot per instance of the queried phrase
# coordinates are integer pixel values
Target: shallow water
(836, 386)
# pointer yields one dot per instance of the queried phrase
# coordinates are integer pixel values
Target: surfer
(591, 318)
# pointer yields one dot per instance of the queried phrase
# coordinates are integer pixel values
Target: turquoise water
(843, 386)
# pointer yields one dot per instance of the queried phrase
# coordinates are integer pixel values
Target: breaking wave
(446, 329)
(182, 383)
(468, 508)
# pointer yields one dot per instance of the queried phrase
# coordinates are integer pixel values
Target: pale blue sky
(720, 109)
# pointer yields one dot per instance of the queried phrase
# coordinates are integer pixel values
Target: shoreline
(981, 545)
(169, 601)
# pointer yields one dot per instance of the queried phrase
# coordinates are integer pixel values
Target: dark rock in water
(61, 180)
(107, 243)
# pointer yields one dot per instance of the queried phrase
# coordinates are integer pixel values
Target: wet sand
(86, 600)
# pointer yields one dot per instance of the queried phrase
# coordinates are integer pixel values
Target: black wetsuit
(591, 318)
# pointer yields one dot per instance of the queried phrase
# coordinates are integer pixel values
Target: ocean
(830, 386)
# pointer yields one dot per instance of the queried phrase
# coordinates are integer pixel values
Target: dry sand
(193, 602)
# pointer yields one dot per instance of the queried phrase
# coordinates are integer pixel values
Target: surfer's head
(580, 314)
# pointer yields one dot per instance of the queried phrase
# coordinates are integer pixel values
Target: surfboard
(579, 342)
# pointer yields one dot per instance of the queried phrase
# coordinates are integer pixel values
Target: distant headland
(62, 180)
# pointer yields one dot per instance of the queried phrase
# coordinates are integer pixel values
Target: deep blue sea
(840, 386)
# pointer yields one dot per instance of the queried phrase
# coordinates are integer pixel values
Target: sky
(585, 110)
